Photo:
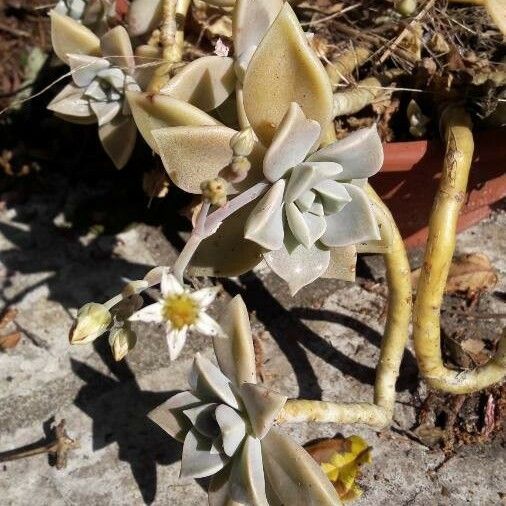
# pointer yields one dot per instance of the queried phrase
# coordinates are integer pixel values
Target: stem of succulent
(438, 256)
(171, 38)
(206, 225)
(347, 62)
(378, 414)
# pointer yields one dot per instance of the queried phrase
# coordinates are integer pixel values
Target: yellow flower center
(180, 310)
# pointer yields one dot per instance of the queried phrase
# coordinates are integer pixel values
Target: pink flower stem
(206, 225)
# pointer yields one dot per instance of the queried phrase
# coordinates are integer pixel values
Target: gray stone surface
(321, 343)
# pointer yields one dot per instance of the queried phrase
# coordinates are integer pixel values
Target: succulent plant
(102, 71)
(310, 221)
(94, 14)
(226, 423)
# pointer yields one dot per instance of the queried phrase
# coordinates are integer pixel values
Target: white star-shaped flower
(181, 310)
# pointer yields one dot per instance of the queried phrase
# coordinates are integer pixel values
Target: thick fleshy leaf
(307, 228)
(360, 154)
(291, 143)
(71, 104)
(265, 223)
(305, 201)
(105, 111)
(234, 351)
(232, 427)
(198, 461)
(293, 476)
(205, 82)
(68, 36)
(118, 139)
(84, 68)
(296, 264)
(342, 265)
(117, 48)
(210, 384)
(169, 415)
(305, 176)
(202, 418)
(284, 69)
(144, 16)
(154, 111)
(262, 405)
(247, 482)
(355, 223)
(385, 224)
(192, 155)
(333, 196)
(226, 252)
(218, 493)
(250, 23)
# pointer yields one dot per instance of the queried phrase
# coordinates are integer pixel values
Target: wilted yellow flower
(340, 459)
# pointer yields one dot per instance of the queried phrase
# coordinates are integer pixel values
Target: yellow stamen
(180, 310)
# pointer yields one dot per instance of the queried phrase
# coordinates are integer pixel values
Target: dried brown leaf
(469, 274)
(9, 340)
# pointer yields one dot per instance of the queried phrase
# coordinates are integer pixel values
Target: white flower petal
(197, 460)
(170, 285)
(354, 224)
(207, 326)
(292, 142)
(360, 154)
(150, 314)
(175, 340)
(205, 296)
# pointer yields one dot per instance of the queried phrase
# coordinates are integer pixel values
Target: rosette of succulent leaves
(226, 422)
(255, 126)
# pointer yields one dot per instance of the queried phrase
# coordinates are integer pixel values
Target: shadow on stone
(119, 408)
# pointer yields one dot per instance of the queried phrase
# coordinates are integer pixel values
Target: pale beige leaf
(497, 11)
(117, 48)
(285, 69)
(226, 252)
(342, 264)
(192, 155)
(68, 36)
(205, 82)
(154, 111)
(118, 139)
(234, 351)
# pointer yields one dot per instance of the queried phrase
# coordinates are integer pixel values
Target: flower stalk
(449, 199)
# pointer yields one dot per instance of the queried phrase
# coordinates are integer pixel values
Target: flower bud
(243, 142)
(405, 7)
(215, 190)
(239, 169)
(122, 340)
(92, 320)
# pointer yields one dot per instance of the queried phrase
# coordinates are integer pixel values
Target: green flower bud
(92, 321)
(122, 340)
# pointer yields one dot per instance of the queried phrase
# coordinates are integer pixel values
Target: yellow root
(378, 414)
(438, 256)
(354, 100)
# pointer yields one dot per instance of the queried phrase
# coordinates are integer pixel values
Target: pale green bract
(226, 424)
